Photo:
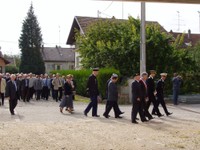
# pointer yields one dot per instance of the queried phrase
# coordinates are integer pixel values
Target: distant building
(190, 39)
(3, 63)
(81, 24)
(58, 58)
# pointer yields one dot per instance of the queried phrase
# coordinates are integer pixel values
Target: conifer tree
(30, 43)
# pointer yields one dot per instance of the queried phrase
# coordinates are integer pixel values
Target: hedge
(81, 77)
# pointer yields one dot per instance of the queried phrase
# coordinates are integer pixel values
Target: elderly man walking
(11, 93)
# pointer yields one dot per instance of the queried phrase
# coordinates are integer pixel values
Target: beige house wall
(49, 66)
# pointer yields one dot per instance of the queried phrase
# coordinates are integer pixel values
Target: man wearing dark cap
(136, 100)
(151, 93)
(160, 93)
(92, 88)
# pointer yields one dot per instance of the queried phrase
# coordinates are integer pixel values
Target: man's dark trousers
(93, 105)
(12, 105)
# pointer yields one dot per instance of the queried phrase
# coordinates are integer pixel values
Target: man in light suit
(2, 88)
(11, 93)
(57, 85)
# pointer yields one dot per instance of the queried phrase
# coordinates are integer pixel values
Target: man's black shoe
(118, 117)
(160, 115)
(168, 114)
(96, 116)
(135, 122)
(85, 113)
(151, 118)
(121, 113)
(106, 116)
(144, 120)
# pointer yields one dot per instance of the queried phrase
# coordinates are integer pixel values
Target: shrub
(81, 77)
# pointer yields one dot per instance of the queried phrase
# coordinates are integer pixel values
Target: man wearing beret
(92, 88)
(160, 93)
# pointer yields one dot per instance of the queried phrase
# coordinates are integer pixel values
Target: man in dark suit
(11, 93)
(136, 100)
(151, 94)
(144, 98)
(24, 88)
(112, 97)
(160, 93)
(92, 88)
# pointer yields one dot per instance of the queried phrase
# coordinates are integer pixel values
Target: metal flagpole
(143, 40)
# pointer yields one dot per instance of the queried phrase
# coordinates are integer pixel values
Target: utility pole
(178, 20)
(199, 20)
(143, 39)
(122, 10)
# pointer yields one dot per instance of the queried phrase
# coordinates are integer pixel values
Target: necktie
(15, 85)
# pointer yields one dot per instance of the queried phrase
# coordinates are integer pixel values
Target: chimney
(189, 33)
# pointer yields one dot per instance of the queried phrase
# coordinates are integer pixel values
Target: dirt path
(40, 126)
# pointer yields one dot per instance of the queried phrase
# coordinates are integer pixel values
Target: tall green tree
(30, 43)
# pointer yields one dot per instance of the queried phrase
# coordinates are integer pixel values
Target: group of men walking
(144, 92)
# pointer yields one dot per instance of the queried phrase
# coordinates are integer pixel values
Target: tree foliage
(116, 43)
(195, 52)
(30, 43)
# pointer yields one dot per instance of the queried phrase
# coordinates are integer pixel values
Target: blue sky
(57, 15)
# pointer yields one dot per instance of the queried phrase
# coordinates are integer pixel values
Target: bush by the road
(81, 77)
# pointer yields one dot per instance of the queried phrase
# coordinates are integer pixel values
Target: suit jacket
(11, 90)
(46, 82)
(160, 88)
(92, 85)
(57, 82)
(143, 89)
(150, 86)
(37, 84)
(112, 91)
(136, 91)
(24, 84)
